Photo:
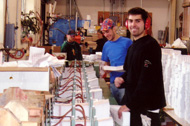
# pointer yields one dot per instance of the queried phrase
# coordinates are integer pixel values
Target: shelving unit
(175, 118)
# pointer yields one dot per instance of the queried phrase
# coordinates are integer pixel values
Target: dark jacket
(143, 76)
(100, 43)
(72, 49)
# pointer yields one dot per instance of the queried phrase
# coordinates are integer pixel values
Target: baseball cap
(107, 24)
(71, 32)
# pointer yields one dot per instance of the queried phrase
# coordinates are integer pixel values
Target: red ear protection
(126, 24)
(147, 24)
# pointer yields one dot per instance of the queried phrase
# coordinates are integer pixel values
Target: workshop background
(44, 24)
(164, 13)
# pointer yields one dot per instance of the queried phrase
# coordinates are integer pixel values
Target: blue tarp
(59, 29)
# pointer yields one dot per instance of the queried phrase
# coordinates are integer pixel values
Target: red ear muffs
(126, 24)
(147, 24)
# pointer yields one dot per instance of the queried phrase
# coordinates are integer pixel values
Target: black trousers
(136, 118)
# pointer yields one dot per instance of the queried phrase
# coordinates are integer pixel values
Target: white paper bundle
(36, 54)
(101, 122)
(102, 108)
(125, 119)
(10, 64)
(96, 93)
(176, 74)
(178, 44)
(146, 121)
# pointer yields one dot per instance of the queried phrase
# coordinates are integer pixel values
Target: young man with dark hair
(114, 53)
(143, 80)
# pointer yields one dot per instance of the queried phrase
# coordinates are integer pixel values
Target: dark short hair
(99, 31)
(137, 11)
(71, 32)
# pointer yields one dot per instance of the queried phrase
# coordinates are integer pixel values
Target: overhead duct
(112, 2)
(114, 18)
(141, 3)
(122, 12)
(77, 9)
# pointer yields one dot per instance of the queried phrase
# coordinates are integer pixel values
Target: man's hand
(118, 81)
(123, 108)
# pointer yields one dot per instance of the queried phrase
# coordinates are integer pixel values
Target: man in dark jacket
(71, 47)
(143, 81)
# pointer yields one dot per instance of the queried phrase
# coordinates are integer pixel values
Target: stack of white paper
(176, 72)
(124, 120)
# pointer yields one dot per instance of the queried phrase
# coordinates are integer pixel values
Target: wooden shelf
(187, 4)
(175, 118)
(22, 69)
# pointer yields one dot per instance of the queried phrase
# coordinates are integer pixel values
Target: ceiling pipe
(5, 20)
(77, 9)
(70, 10)
(103, 8)
(122, 12)
(111, 9)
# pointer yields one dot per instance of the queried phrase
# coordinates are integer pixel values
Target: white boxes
(28, 78)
